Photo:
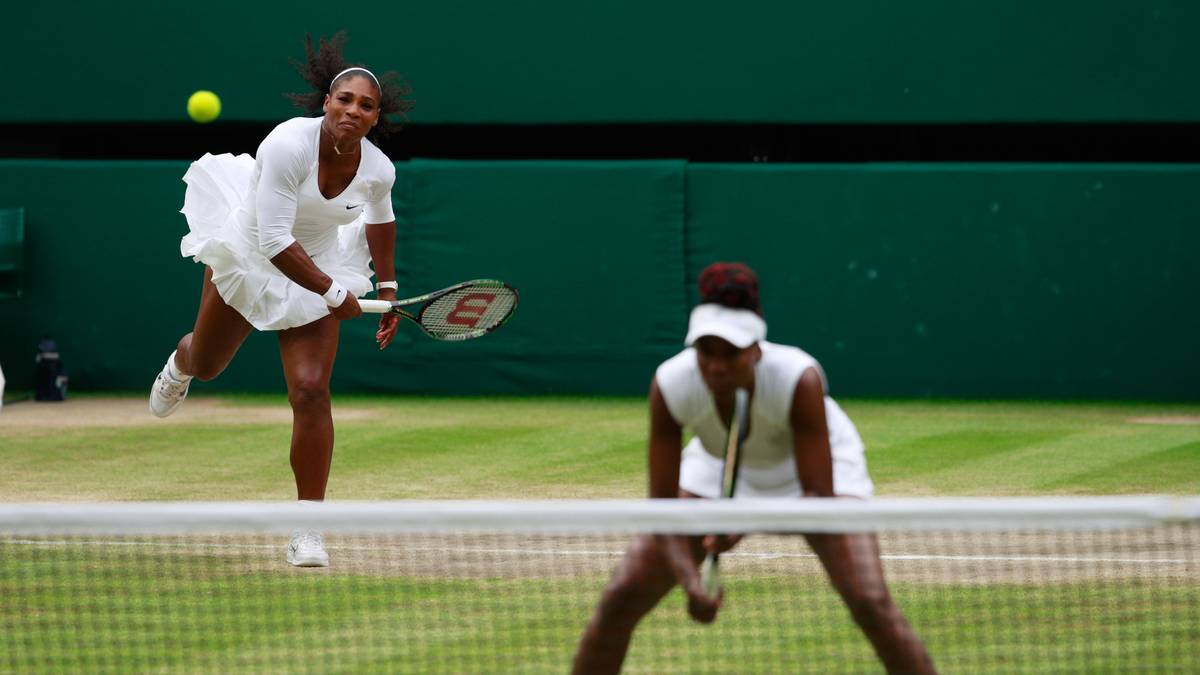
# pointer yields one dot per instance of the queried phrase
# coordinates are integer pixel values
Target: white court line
(614, 554)
(1040, 558)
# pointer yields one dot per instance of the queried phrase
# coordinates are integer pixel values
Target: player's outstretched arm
(680, 551)
(296, 265)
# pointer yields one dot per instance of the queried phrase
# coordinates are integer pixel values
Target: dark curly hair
(732, 284)
(324, 61)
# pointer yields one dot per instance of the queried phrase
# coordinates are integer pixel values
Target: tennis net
(990, 585)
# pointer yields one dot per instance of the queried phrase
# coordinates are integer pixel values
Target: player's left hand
(700, 606)
(388, 323)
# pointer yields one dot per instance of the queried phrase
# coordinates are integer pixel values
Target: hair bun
(731, 284)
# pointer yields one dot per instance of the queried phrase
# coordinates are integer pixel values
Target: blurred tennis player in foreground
(800, 443)
(286, 238)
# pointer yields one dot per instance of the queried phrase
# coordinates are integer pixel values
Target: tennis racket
(461, 312)
(709, 574)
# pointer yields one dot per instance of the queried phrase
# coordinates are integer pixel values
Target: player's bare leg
(852, 563)
(205, 352)
(308, 352)
(642, 579)
(219, 332)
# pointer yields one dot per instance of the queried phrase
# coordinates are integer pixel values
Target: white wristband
(379, 286)
(336, 295)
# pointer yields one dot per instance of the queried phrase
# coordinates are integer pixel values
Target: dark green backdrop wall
(1000, 280)
(975, 280)
(536, 61)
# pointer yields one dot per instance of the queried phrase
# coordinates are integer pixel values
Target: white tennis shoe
(167, 393)
(307, 549)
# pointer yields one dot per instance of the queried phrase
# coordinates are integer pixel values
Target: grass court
(447, 604)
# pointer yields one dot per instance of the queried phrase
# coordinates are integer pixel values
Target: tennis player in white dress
(799, 444)
(287, 239)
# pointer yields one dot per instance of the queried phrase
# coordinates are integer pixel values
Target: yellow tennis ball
(204, 106)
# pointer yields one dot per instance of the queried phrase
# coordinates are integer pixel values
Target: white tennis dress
(242, 211)
(768, 467)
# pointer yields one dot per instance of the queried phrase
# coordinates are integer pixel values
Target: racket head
(468, 310)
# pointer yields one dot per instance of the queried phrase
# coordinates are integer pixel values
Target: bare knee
(872, 609)
(309, 395)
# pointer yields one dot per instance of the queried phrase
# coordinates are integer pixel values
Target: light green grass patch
(1023, 448)
(462, 448)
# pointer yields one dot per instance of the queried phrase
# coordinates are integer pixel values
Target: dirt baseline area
(111, 411)
(124, 412)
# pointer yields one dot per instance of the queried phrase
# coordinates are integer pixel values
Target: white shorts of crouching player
(701, 474)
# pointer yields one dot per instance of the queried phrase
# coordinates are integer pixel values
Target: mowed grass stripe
(417, 448)
(1014, 449)
(1169, 469)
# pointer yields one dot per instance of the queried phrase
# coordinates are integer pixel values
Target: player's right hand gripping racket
(461, 312)
(738, 426)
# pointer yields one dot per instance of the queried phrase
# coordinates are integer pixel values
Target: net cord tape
(602, 516)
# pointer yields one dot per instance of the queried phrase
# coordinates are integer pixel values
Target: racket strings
(468, 311)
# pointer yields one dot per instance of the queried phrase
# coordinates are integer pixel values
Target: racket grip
(709, 577)
(375, 306)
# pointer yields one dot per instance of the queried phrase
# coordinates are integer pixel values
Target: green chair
(12, 252)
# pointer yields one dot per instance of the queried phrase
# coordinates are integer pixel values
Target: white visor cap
(739, 327)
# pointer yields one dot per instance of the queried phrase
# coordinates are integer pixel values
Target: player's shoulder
(291, 137)
(295, 129)
(678, 367)
(778, 355)
(372, 153)
(378, 165)
(681, 386)
(781, 368)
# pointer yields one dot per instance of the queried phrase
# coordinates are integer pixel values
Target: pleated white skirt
(217, 187)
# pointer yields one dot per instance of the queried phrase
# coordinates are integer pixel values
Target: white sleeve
(275, 201)
(379, 209)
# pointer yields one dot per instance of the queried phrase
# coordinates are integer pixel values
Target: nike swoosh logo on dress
(352, 206)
